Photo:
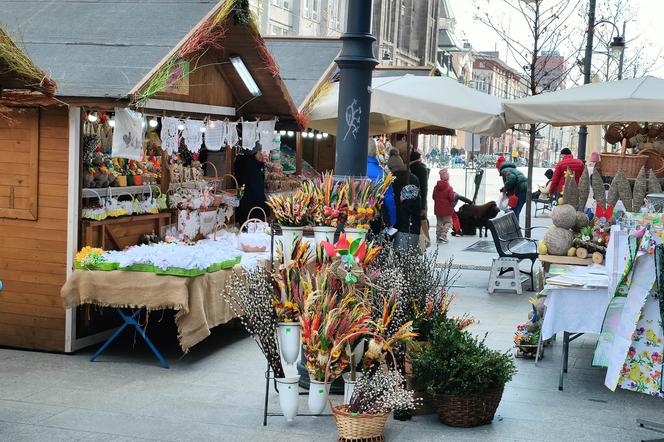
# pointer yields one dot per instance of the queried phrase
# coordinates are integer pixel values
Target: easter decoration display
(329, 195)
(292, 212)
(527, 335)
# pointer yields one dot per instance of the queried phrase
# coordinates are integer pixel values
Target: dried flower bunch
(293, 209)
(380, 392)
(329, 195)
(328, 323)
(300, 252)
(291, 285)
(250, 297)
(364, 200)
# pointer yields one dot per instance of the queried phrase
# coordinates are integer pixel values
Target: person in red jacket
(444, 199)
(567, 161)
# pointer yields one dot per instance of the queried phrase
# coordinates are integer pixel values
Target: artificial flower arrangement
(353, 258)
(526, 336)
(291, 285)
(364, 199)
(293, 209)
(329, 319)
(92, 258)
(329, 195)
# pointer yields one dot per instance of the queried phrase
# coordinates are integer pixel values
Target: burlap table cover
(198, 301)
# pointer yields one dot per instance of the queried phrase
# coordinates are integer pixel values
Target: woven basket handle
(259, 209)
(216, 172)
(244, 224)
(237, 185)
(623, 151)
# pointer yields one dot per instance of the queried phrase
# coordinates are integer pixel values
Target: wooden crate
(119, 233)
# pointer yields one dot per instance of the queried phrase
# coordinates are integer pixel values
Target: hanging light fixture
(282, 132)
(245, 75)
(181, 125)
(92, 117)
(211, 124)
(202, 129)
(290, 133)
(319, 136)
(325, 135)
(153, 122)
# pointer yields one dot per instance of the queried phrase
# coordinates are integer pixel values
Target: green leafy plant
(458, 363)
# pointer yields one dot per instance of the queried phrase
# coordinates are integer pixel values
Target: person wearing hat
(376, 173)
(444, 199)
(407, 196)
(567, 161)
(249, 170)
(515, 184)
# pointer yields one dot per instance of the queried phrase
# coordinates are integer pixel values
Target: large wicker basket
(359, 427)
(468, 411)
(630, 164)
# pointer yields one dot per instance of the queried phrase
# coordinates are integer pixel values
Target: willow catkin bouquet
(250, 297)
(380, 392)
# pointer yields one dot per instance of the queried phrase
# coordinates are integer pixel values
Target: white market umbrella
(424, 101)
(639, 99)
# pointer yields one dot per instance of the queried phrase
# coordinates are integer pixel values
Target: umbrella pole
(408, 145)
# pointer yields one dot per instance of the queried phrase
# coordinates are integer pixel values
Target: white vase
(352, 233)
(289, 341)
(289, 396)
(288, 236)
(324, 233)
(349, 386)
(317, 396)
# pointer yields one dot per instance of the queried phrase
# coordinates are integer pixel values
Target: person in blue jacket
(375, 173)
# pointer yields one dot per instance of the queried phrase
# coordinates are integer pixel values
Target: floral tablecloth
(632, 339)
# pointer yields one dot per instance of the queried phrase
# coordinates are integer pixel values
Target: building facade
(307, 18)
(493, 76)
(406, 31)
(550, 71)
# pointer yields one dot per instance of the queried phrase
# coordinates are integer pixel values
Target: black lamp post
(587, 65)
(356, 61)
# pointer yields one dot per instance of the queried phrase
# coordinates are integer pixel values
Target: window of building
(315, 10)
(306, 8)
(19, 156)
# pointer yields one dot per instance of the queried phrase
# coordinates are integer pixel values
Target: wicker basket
(655, 159)
(359, 427)
(259, 223)
(468, 411)
(630, 164)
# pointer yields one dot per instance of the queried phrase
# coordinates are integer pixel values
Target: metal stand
(131, 320)
(567, 338)
(266, 412)
(650, 425)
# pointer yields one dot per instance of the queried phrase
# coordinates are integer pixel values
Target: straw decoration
(20, 64)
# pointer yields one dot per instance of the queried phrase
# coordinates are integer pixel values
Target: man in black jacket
(249, 171)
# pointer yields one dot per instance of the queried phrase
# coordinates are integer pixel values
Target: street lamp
(618, 51)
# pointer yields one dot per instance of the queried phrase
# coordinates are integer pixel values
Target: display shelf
(115, 191)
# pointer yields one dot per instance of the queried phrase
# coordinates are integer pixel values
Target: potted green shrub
(464, 376)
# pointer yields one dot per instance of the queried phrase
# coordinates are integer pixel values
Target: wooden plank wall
(33, 253)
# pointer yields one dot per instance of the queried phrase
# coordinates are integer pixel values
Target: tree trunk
(529, 193)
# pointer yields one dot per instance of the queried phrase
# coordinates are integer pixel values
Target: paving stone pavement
(216, 391)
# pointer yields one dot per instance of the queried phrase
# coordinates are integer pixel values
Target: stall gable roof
(303, 62)
(99, 48)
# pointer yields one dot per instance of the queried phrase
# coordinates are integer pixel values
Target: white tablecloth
(574, 310)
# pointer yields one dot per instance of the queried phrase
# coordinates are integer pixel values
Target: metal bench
(510, 243)
(542, 206)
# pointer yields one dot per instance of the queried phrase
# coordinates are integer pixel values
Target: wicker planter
(468, 411)
(359, 427)
(630, 164)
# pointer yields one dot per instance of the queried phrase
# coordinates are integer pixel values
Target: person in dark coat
(407, 195)
(249, 170)
(515, 184)
(419, 169)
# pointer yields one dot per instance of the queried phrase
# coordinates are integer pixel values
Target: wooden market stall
(177, 63)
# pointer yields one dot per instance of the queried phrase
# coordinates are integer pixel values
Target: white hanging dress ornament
(266, 135)
(128, 135)
(215, 135)
(169, 134)
(249, 134)
(231, 137)
(193, 137)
